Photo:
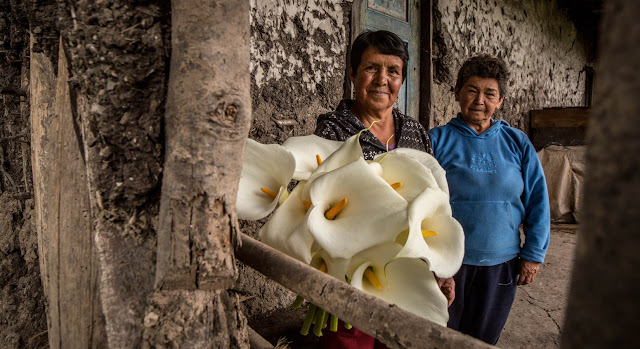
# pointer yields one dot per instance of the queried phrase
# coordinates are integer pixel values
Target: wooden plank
(68, 262)
(544, 136)
(560, 117)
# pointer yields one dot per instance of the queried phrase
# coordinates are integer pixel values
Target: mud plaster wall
(536, 39)
(298, 58)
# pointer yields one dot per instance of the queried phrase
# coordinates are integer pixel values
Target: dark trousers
(484, 296)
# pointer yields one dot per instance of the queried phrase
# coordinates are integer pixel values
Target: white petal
(305, 149)
(287, 231)
(373, 214)
(412, 286)
(444, 252)
(415, 177)
(264, 166)
(429, 162)
(357, 280)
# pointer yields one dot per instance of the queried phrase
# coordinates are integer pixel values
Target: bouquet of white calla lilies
(384, 225)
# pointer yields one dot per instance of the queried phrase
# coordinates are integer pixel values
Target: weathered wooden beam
(395, 327)
(560, 117)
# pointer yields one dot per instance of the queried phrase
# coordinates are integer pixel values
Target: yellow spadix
(333, 211)
(269, 192)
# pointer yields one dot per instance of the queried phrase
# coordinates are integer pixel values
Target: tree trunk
(207, 121)
(602, 311)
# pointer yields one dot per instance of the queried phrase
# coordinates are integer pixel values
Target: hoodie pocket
(488, 225)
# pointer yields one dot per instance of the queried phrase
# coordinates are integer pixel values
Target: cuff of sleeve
(533, 254)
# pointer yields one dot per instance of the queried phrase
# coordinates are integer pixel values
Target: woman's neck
(380, 123)
(479, 126)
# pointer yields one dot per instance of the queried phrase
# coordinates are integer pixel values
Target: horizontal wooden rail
(560, 117)
(393, 326)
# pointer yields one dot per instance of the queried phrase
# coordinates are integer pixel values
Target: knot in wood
(224, 114)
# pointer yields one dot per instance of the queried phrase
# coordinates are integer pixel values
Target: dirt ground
(535, 321)
(537, 315)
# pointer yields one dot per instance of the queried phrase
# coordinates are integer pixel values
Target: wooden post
(426, 66)
(68, 261)
(207, 121)
(602, 310)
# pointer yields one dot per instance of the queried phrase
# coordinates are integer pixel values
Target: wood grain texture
(68, 260)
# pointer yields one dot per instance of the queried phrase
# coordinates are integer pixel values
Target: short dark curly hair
(385, 42)
(484, 66)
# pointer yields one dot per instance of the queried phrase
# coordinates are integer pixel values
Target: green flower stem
(298, 302)
(307, 320)
(325, 319)
(347, 326)
(334, 323)
(317, 327)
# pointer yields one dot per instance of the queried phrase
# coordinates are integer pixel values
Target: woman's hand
(528, 272)
(448, 288)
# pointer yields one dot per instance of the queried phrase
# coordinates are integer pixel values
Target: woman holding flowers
(496, 184)
(378, 69)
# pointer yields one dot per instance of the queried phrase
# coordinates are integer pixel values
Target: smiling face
(377, 81)
(479, 98)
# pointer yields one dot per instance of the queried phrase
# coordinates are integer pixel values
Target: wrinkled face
(479, 98)
(377, 80)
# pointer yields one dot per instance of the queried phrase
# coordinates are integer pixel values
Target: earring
(396, 104)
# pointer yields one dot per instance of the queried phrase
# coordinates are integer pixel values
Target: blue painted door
(402, 18)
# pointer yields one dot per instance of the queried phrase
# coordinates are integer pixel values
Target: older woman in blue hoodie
(496, 184)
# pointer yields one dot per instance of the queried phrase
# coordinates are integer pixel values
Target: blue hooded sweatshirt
(496, 183)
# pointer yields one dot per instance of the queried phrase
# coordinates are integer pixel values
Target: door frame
(420, 104)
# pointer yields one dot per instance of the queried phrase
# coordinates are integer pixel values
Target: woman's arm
(536, 224)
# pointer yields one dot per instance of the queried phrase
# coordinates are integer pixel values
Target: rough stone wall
(298, 59)
(535, 38)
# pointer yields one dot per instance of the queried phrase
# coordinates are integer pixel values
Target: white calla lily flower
(406, 282)
(287, 230)
(408, 176)
(429, 162)
(373, 213)
(268, 166)
(434, 235)
(305, 149)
